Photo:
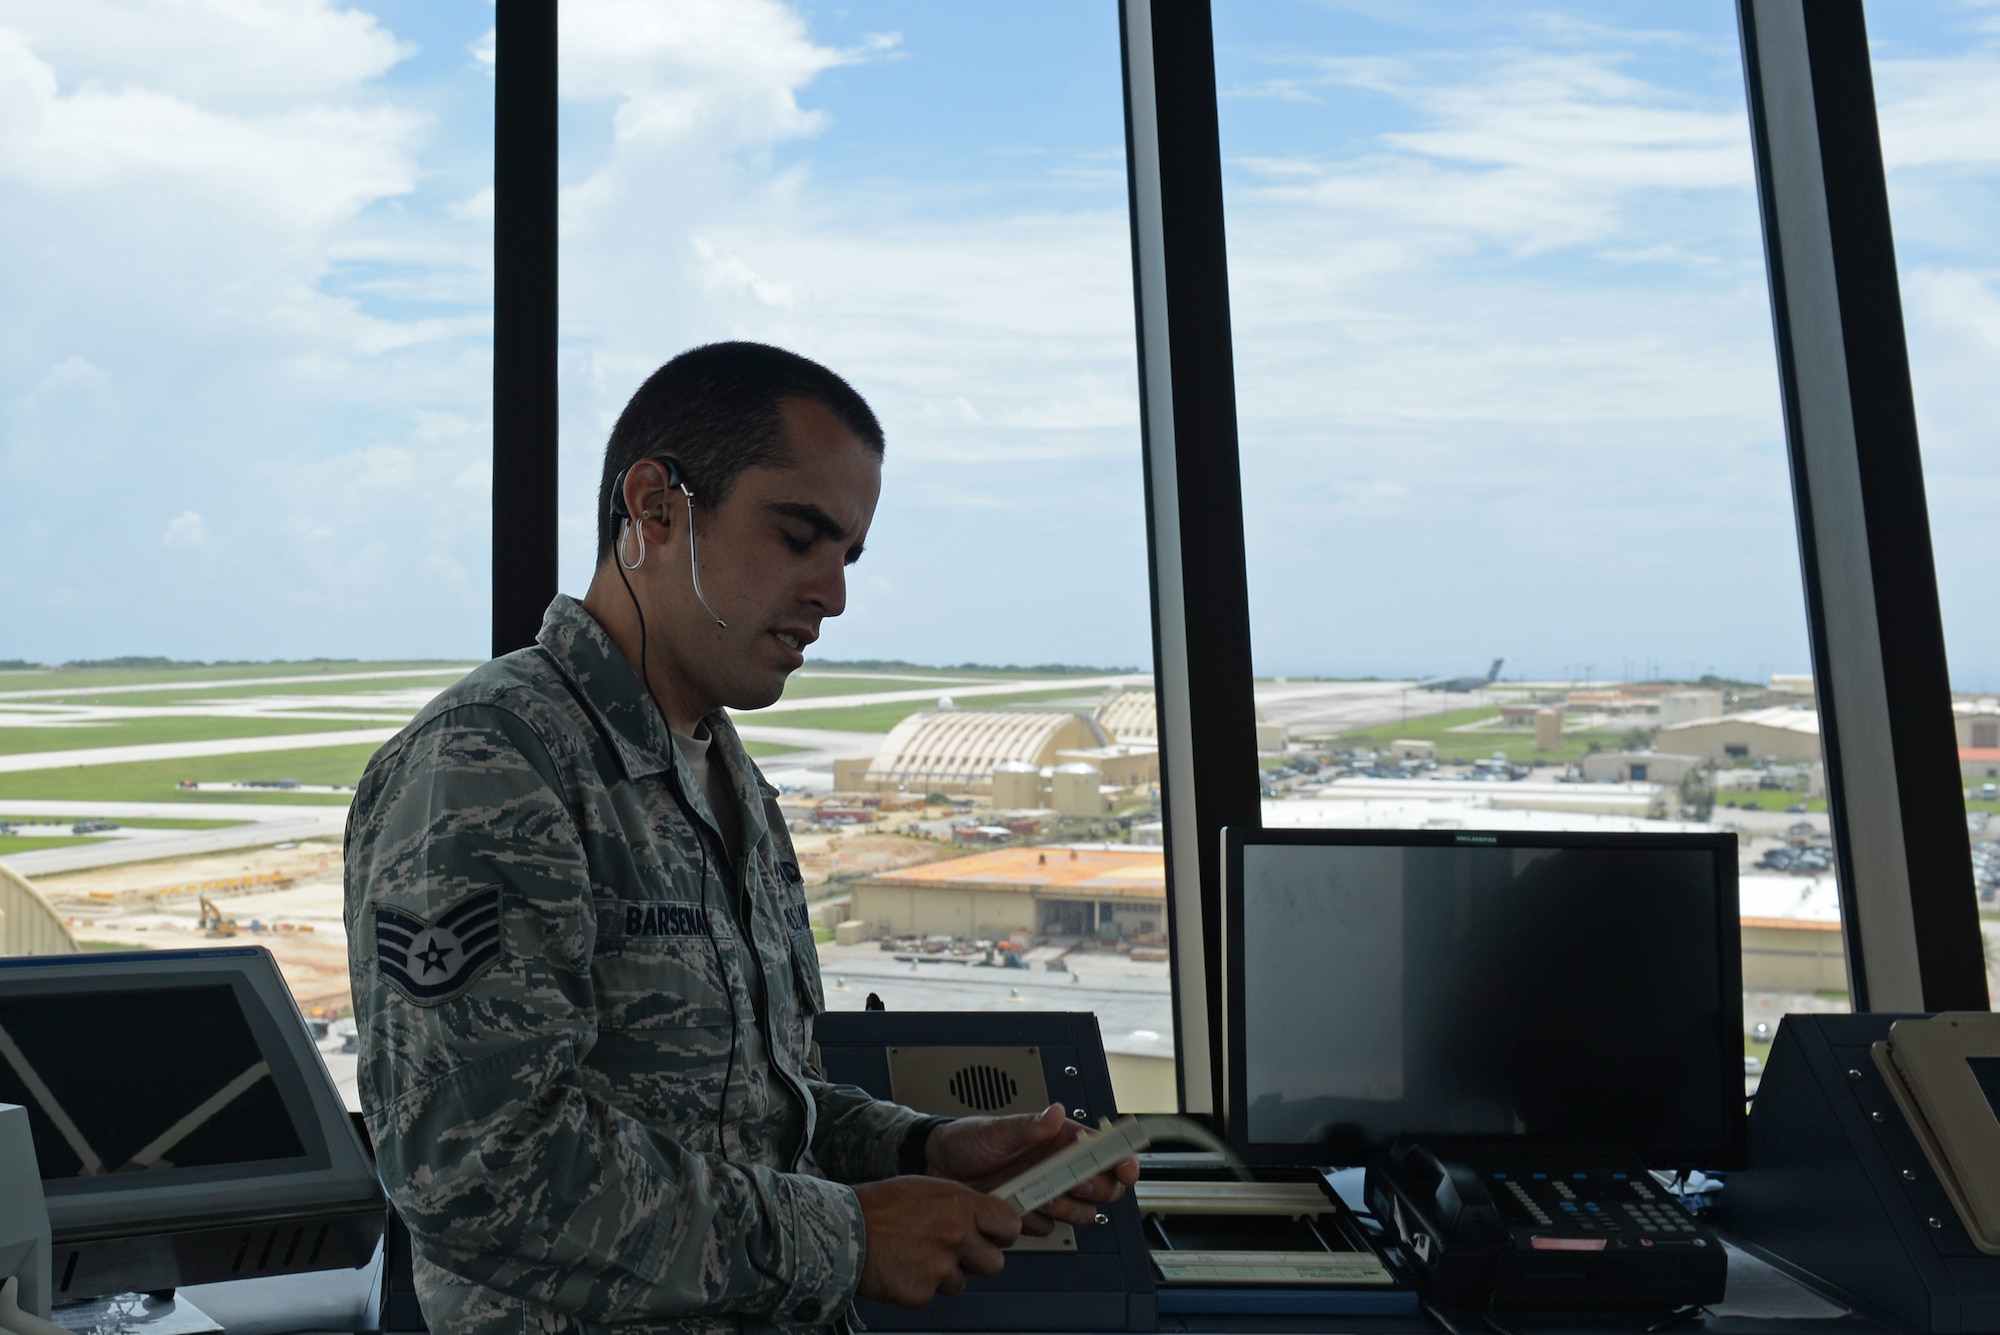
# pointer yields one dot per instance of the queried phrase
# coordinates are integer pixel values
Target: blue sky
(1503, 343)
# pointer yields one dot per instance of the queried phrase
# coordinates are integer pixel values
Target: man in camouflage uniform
(583, 970)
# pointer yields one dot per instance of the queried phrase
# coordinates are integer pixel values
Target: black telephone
(1525, 1226)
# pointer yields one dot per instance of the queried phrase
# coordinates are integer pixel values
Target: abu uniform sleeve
(470, 915)
(859, 1138)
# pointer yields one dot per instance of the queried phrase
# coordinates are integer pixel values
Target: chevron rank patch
(432, 962)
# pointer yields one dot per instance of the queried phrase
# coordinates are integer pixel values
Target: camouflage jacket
(593, 1100)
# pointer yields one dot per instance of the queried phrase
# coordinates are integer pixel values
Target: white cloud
(1940, 121)
(1961, 305)
(70, 375)
(236, 229)
(306, 168)
(1941, 112)
(728, 70)
(186, 529)
(1509, 354)
(729, 273)
(476, 207)
(211, 51)
(1506, 354)
(1541, 150)
(991, 334)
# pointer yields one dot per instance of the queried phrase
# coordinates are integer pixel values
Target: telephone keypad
(1528, 1203)
(1613, 1205)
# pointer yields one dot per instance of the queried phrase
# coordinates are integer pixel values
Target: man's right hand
(925, 1235)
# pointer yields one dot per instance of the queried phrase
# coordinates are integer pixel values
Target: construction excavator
(212, 920)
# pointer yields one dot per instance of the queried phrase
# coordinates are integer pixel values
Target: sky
(1504, 365)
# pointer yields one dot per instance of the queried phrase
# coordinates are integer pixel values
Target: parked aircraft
(1462, 684)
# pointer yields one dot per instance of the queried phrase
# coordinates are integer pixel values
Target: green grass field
(169, 691)
(881, 718)
(860, 683)
(1516, 744)
(168, 694)
(28, 843)
(149, 731)
(85, 679)
(155, 780)
(1765, 800)
(158, 781)
(139, 823)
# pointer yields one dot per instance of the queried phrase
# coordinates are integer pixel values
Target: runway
(213, 683)
(262, 826)
(1327, 708)
(232, 746)
(1039, 684)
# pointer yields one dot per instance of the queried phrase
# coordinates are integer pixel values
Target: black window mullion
(524, 320)
(1194, 501)
(1908, 905)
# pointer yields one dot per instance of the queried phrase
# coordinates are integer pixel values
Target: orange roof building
(1054, 892)
(1979, 762)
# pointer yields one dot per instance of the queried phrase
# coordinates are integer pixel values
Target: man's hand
(985, 1152)
(926, 1235)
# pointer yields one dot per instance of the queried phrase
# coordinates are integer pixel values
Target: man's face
(773, 564)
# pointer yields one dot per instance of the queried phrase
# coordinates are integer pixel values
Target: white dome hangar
(958, 749)
(1131, 716)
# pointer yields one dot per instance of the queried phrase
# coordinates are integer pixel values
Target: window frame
(1194, 505)
(1908, 902)
(524, 320)
(1909, 907)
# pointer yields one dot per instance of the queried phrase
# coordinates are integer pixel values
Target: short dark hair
(718, 409)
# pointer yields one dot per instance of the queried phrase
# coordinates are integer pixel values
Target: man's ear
(644, 482)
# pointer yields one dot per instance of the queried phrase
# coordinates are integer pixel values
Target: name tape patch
(668, 918)
(798, 917)
(432, 962)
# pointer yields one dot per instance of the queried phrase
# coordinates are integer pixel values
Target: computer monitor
(1550, 988)
(184, 1124)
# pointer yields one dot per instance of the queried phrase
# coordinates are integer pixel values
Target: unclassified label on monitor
(1318, 1268)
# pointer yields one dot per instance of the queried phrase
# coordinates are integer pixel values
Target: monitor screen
(183, 1122)
(1552, 988)
(147, 1080)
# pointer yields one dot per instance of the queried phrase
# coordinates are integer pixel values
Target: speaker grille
(984, 1088)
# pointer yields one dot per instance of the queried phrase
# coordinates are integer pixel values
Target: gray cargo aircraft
(1459, 685)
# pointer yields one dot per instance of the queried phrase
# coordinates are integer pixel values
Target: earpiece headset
(658, 514)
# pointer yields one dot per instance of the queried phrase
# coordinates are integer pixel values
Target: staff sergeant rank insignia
(434, 962)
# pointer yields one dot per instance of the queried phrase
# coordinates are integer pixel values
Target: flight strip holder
(971, 1063)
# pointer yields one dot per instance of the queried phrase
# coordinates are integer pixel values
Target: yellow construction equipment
(212, 920)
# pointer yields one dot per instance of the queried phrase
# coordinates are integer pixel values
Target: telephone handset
(1944, 1074)
(1462, 1207)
